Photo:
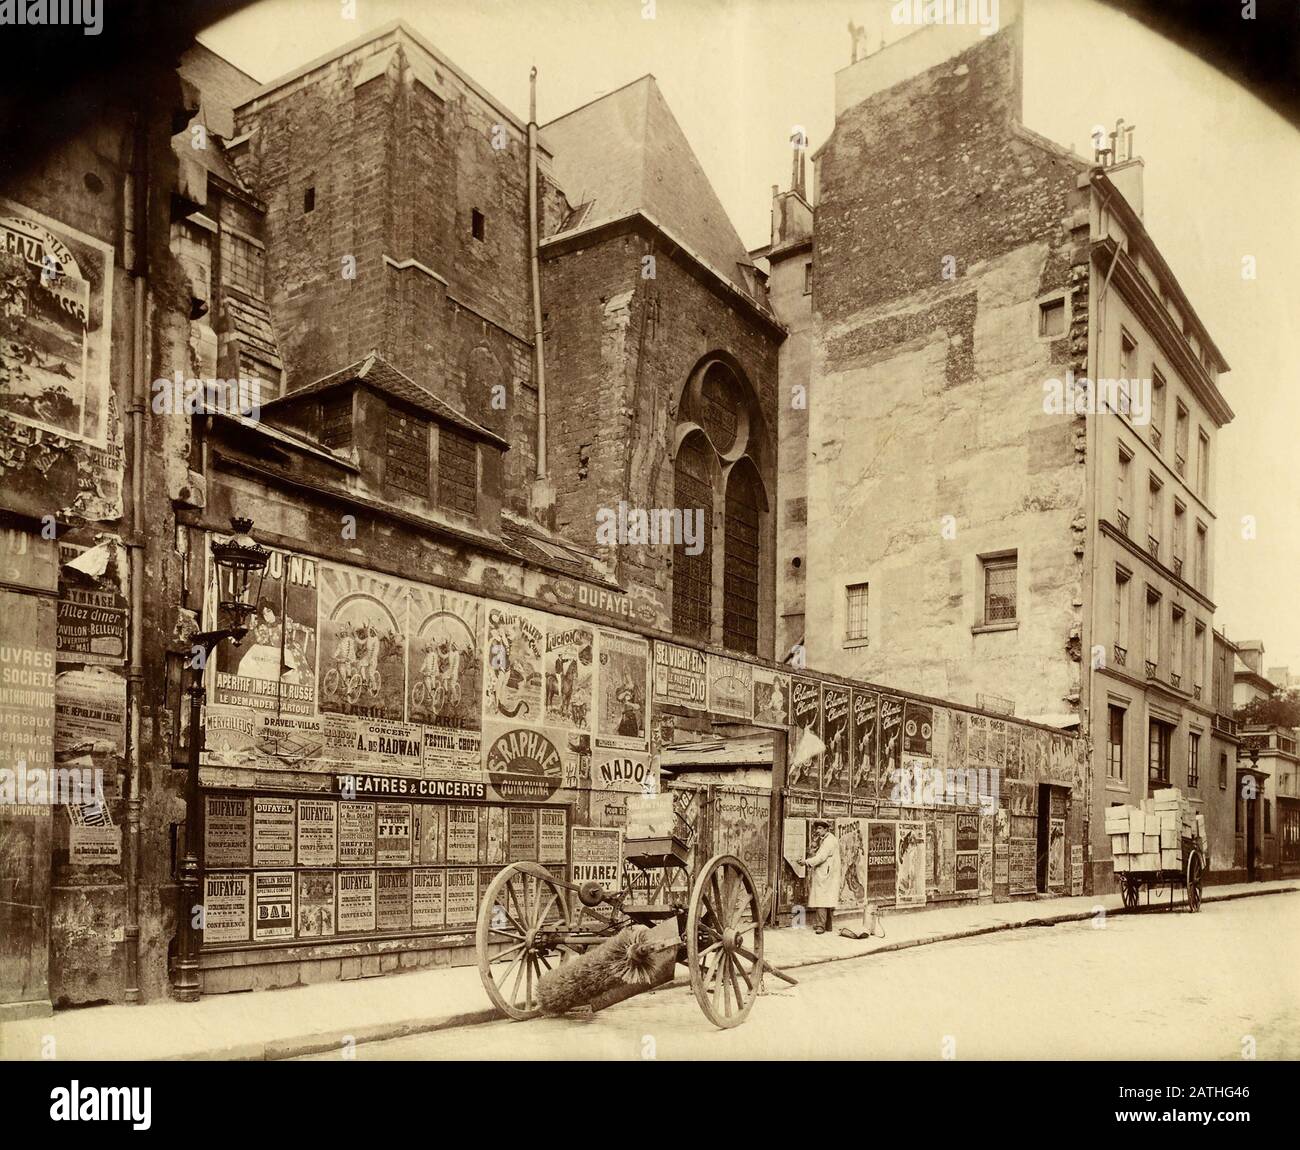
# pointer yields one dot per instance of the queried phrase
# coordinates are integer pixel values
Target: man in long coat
(824, 874)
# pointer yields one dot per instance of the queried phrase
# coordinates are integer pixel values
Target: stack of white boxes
(1150, 837)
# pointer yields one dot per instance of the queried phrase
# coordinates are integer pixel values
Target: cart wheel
(1195, 877)
(724, 941)
(1129, 892)
(525, 909)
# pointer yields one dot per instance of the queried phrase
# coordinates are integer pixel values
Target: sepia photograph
(650, 530)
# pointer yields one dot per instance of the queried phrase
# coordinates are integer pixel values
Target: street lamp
(236, 560)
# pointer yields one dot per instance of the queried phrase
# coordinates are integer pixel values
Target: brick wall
(619, 351)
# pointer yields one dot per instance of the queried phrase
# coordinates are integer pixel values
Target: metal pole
(185, 980)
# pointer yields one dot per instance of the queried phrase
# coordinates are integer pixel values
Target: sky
(1221, 176)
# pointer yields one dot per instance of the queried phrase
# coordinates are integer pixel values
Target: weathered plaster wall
(928, 388)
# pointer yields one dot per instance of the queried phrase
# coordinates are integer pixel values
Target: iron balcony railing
(1121, 655)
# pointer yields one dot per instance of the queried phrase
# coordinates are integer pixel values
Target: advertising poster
(94, 845)
(570, 655)
(624, 771)
(680, 676)
(1020, 796)
(852, 837)
(55, 335)
(227, 831)
(512, 665)
(575, 759)
(428, 898)
(523, 764)
(356, 901)
(443, 659)
(386, 747)
(393, 900)
(996, 751)
(1015, 751)
(1056, 853)
(90, 715)
(356, 833)
(621, 682)
(462, 834)
(947, 824)
(551, 836)
(987, 822)
(226, 907)
(609, 808)
(837, 758)
(363, 622)
(230, 736)
(986, 870)
(882, 861)
(450, 754)
(91, 624)
(968, 867)
(318, 832)
(794, 845)
(1001, 867)
(1076, 869)
(918, 729)
(891, 741)
(911, 864)
(977, 744)
(273, 832)
(741, 821)
(315, 903)
(771, 698)
(294, 742)
(272, 905)
(958, 733)
(731, 687)
(462, 896)
(597, 856)
(933, 853)
(805, 714)
(522, 822)
(430, 834)
(968, 831)
(494, 849)
(340, 735)
(273, 667)
(393, 834)
(1021, 875)
(863, 735)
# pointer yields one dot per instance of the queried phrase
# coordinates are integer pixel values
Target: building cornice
(1112, 532)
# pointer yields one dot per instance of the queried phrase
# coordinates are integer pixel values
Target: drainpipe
(539, 363)
(135, 193)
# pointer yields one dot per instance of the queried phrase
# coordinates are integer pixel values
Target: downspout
(539, 362)
(135, 205)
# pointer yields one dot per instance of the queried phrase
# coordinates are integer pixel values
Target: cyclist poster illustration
(362, 668)
(512, 665)
(624, 665)
(444, 680)
(569, 655)
(271, 669)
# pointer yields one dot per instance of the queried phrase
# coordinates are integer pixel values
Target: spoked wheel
(1195, 878)
(525, 909)
(724, 941)
(1129, 892)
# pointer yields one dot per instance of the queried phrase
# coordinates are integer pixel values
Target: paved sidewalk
(273, 1024)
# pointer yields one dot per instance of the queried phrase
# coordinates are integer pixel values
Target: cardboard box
(1169, 840)
(1118, 844)
(1171, 860)
(1116, 821)
(1150, 844)
(1169, 820)
(1134, 843)
(1121, 863)
(1167, 795)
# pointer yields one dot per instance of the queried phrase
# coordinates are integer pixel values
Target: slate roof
(624, 153)
(376, 371)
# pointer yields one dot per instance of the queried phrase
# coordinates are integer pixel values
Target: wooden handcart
(530, 921)
(1190, 876)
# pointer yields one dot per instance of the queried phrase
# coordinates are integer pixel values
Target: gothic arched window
(693, 574)
(740, 559)
(718, 468)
